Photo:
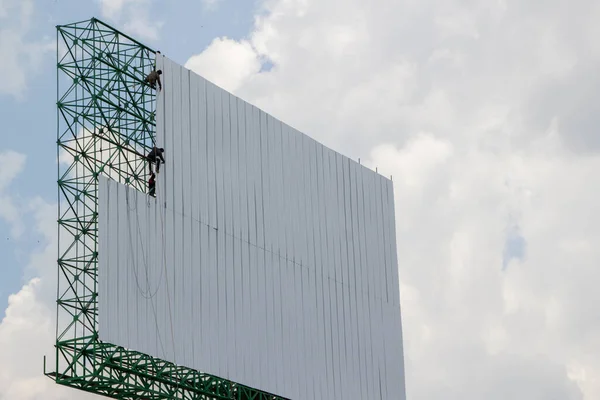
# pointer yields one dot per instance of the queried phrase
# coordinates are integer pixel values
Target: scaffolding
(106, 124)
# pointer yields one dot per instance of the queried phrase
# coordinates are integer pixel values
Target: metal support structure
(106, 123)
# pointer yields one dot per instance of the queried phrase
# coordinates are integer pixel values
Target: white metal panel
(296, 182)
(328, 380)
(252, 176)
(265, 172)
(370, 290)
(255, 338)
(318, 333)
(234, 182)
(261, 315)
(269, 331)
(229, 250)
(196, 294)
(298, 334)
(202, 180)
(166, 179)
(370, 260)
(328, 272)
(348, 378)
(227, 163)
(104, 251)
(315, 366)
(166, 312)
(332, 234)
(260, 203)
(186, 316)
(271, 257)
(302, 311)
(211, 191)
(218, 154)
(275, 188)
(244, 341)
(207, 340)
(290, 337)
(236, 340)
(360, 278)
(176, 174)
(243, 151)
(287, 207)
(349, 282)
(160, 103)
(278, 306)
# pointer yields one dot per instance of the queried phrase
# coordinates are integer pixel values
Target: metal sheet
(211, 191)
(266, 258)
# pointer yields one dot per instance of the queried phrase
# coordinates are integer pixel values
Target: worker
(152, 185)
(155, 157)
(154, 77)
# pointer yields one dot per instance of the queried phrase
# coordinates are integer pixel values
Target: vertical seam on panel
(325, 223)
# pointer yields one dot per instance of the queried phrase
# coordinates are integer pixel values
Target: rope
(164, 242)
(163, 273)
(162, 230)
(146, 294)
(135, 272)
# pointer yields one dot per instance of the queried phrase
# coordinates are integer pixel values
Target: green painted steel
(106, 123)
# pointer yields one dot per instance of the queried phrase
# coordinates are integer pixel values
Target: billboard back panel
(266, 258)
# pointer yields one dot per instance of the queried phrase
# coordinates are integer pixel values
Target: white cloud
(484, 115)
(111, 8)
(11, 164)
(226, 63)
(21, 56)
(137, 16)
(451, 234)
(140, 26)
(211, 4)
(27, 332)
(26, 335)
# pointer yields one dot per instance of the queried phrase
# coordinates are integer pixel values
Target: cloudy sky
(486, 116)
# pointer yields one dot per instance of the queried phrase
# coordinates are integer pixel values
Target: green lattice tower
(106, 123)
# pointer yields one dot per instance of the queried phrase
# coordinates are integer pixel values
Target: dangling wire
(145, 294)
(162, 230)
(135, 272)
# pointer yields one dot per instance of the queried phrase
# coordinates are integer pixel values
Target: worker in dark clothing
(152, 185)
(155, 156)
(153, 78)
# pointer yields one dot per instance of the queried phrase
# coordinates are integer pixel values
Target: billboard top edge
(280, 120)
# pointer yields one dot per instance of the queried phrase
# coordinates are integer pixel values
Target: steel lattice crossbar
(106, 123)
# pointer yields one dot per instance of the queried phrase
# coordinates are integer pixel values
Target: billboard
(266, 258)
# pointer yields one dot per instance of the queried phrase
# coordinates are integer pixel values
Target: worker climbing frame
(106, 124)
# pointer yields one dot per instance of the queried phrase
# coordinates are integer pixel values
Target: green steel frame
(106, 123)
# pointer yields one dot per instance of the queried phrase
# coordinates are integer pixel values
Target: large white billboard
(266, 258)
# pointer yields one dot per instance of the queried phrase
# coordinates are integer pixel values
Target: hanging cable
(145, 294)
(129, 209)
(162, 230)
(164, 242)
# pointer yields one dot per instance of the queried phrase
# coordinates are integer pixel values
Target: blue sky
(29, 121)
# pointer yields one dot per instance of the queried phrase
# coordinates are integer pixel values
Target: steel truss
(106, 123)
